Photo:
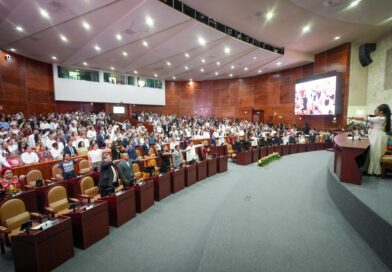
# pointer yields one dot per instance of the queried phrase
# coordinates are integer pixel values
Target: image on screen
(316, 97)
(118, 110)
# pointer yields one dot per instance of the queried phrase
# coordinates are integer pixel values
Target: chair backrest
(83, 164)
(13, 214)
(229, 147)
(56, 172)
(135, 168)
(86, 183)
(33, 176)
(57, 198)
(205, 143)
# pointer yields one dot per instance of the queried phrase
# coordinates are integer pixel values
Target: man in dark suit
(101, 138)
(125, 170)
(108, 176)
(70, 149)
(132, 151)
(145, 146)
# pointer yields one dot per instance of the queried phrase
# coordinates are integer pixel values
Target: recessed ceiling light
(218, 63)
(149, 21)
(111, 68)
(279, 63)
(337, 38)
(44, 13)
(254, 57)
(227, 50)
(168, 63)
(19, 28)
(190, 80)
(135, 72)
(119, 37)
(187, 55)
(125, 54)
(246, 69)
(12, 49)
(231, 75)
(97, 48)
(201, 41)
(145, 43)
(232, 67)
(174, 78)
(269, 15)
(202, 70)
(86, 25)
(354, 3)
(306, 29)
(186, 67)
(85, 63)
(63, 38)
(54, 58)
(155, 75)
(203, 60)
(216, 73)
(259, 71)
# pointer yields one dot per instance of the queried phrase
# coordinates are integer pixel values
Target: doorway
(257, 116)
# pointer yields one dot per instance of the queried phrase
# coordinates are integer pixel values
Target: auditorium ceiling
(148, 38)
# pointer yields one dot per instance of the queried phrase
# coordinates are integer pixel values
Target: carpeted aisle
(278, 218)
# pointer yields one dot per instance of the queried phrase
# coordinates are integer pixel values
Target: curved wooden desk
(346, 151)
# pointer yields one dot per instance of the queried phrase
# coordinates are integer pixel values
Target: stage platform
(368, 209)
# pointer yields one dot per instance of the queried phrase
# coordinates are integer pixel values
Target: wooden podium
(293, 148)
(201, 170)
(161, 186)
(190, 175)
(244, 157)
(89, 224)
(144, 196)
(211, 167)
(122, 206)
(177, 180)
(46, 249)
(222, 163)
(285, 150)
(346, 151)
(255, 154)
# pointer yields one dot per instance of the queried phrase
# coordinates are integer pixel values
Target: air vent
(56, 6)
(332, 3)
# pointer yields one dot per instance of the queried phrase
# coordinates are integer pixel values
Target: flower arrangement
(11, 187)
(267, 159)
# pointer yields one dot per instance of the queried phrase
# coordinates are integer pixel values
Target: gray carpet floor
(277, 218)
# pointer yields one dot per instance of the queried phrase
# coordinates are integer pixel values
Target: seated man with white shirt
(29, 157)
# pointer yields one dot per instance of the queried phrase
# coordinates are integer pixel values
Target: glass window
(158, 84)
(77, 73)
(114, 78)
(149, 83)
(131, 80)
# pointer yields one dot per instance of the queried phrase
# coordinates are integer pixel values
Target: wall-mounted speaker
(364, 53)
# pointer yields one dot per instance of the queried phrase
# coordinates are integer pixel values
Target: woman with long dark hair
(379, 127)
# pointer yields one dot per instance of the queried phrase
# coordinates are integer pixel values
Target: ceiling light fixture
(186, 67)
(63, 38)
(259, 71)
(54, 58)
(19, 28)
(125, 54)
(187, 55)
(85, 63)
(201, 41)
(149, 21)
(203, 60)
(86, 25)
(119, 37)
(279, 63)
(269, 15)
(168, 63)
(231, 75)
(232, 67)
(111, 68)
(97, 48)
(216, 73)
(12, 49)
(44, 13)
(202, 70)
(227, 50)
(155, 75)
(246, 69)
(135, 72)
(355, 3)
(218, 63)
(306, 29)
(337, 38)
(254, 57)
(174, 78)
(145, 43)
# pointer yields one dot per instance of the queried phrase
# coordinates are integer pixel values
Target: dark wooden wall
(273, 93)
(27, 85)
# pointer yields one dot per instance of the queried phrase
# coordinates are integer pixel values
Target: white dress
(378, 144)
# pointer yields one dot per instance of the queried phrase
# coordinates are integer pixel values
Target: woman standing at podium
(379, 127)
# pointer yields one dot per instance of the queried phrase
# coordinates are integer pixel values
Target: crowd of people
(56, 136)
